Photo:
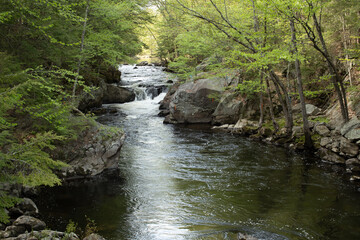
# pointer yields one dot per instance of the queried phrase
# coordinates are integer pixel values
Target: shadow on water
(189, 182)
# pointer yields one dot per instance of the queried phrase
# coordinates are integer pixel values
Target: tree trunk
(271, 106)
(308, 141)
(284, 100)
(336, 80)
(261, 96)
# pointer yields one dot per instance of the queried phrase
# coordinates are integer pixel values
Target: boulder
(310, 109)
(195, 102)
(324, 141)
(12, 231)
(28, 207)
(228, 109)
(348, 148)
(30, 223)
(322, 130)
(94, 236)
(116, 94)
(353, 134)
(330, 156)
(165, 103)
(94, 98)
(111, 74)
(354, 123)
(143, 63)
(352, 165)
(95, 152)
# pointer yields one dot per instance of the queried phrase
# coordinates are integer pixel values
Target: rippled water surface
(192, 183)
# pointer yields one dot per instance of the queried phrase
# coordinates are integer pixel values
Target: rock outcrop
(105, 93)
(195, 102)
(115, 94)
(94, 154)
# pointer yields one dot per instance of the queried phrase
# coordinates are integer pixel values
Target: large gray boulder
(228, 109)
(115, 94)
(354, 123)
(195, 102)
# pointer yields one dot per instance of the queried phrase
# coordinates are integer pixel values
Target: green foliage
(71, 227)
(39, 55)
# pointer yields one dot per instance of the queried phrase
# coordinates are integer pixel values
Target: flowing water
(189, 182)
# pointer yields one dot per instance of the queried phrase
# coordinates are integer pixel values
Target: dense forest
(52, 52)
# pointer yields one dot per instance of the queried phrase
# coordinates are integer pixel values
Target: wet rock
(30, 223)
(348, 148)
(330, 156)
(94, 236)
(116, 94)
(165, 103)
(163, 113)
(352, 165)
(322, 130)
(143, 63)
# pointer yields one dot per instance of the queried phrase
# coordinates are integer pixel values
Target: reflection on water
(190, 183)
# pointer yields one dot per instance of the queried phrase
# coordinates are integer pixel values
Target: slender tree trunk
(261, 96)
(337, 81)
(81, 48)
(308, 141)
(284, 100)
(271, 106)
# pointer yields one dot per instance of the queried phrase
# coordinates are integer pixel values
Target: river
(189, 182)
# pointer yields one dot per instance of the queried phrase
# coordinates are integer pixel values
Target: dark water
(192, 183)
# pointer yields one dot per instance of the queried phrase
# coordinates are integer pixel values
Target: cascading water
(190, 183)
(146, 81)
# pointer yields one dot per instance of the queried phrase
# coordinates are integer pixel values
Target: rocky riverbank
(24, 225)
(213, 100)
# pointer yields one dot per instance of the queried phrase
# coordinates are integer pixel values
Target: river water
(189, 182)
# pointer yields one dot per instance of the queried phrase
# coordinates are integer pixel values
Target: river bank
(190, 181)
(215, 100)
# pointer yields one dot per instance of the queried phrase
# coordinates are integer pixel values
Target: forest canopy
(49, 49)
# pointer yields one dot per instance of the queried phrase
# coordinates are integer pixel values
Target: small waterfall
(147, 82)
